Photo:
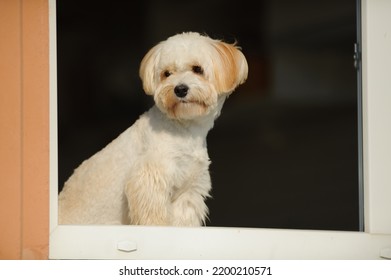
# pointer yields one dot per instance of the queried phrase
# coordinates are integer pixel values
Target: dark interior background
(284, 151)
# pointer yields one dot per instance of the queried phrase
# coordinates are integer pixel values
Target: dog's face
(188, 73)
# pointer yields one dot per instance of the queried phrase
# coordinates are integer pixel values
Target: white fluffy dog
(156, 172)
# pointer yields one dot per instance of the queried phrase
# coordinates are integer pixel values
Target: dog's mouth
(188, 109)
(192, 102)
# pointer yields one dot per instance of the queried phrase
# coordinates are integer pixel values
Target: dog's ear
(147, 69)
(230, 67)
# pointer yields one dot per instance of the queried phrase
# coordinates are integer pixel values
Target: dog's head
(188, 73)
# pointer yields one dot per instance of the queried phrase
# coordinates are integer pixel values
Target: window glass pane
(284, 151)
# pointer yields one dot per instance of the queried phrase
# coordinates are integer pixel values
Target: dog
(157, 171)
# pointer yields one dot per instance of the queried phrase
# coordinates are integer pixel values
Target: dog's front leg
(188, 207)
(148, 195)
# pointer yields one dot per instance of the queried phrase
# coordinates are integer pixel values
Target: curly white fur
(157, 171)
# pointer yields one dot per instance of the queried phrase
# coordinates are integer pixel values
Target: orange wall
(24, 129)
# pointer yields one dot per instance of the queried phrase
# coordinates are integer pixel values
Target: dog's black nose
(181, 90)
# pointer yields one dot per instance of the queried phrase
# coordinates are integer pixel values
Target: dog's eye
(197, 69)
(166, 74)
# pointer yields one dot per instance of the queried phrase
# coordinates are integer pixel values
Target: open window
(293, 160)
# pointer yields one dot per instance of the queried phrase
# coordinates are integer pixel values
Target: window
(277, 127)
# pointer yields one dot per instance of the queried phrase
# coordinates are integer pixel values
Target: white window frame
(137, 242)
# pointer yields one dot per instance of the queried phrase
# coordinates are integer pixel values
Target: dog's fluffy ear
(230, 67)
(147, 69)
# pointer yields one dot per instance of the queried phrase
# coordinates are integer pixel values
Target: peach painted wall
(24, 129)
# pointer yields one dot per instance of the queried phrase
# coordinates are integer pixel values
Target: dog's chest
(184, 157)
(180, 158)
(176, 153)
